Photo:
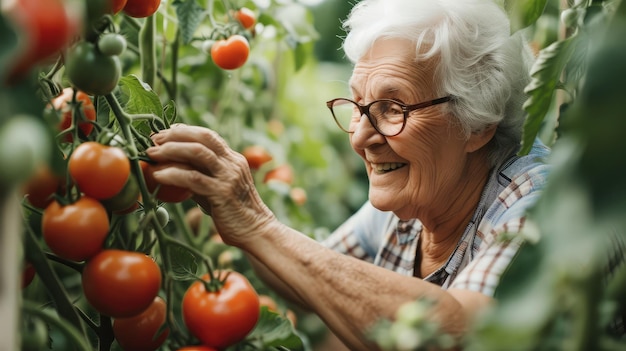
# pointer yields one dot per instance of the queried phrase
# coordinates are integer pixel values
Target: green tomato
(163, 217)
(112, 44)
(24, 145)
(91, 71)
(126, 198)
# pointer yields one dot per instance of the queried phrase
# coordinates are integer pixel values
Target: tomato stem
(78, 267)
(74, 335)
(147, 51)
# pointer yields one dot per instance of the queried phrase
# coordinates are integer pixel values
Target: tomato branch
(147, 51)
(78, 267)
(51, 281)
(73, 334)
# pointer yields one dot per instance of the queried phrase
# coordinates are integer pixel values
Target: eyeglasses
(387, 116)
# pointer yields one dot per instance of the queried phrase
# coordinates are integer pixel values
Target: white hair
(479, 62)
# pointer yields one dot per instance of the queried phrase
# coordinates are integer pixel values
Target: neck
(445, 222)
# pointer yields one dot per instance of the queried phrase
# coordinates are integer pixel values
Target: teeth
(385, 167)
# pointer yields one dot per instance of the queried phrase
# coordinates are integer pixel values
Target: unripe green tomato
(163, 217)
(24, 145)
(112, 44)
(126, 198)
(91, 71)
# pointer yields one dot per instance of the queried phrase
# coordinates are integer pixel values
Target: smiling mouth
(381, 168)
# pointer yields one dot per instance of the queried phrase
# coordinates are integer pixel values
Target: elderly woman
(435, 114)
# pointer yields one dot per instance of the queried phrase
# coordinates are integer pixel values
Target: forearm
(348, 294)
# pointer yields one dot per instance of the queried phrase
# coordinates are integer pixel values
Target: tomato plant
(91, 71)
(75, 231)
(100, 171)
(222, 317)
(120, 283)
(65, 106)
(246, 17)
(143, 332)
(141, 8)
(166, 193)
(196, 348)
(231, 53)
(256, 155)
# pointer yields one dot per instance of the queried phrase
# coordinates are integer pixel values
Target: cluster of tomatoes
(232, 52)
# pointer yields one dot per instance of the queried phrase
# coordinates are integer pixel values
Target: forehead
(388, 65)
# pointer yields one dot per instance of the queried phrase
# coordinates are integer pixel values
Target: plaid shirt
(479, 258)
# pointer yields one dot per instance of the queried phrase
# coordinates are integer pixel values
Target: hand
(218, 176)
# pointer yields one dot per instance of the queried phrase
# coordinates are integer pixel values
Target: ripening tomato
(230, 53)
(298, 195)
(141, 8)
(224, 317)
(166, 193)
(42, 185)
(100, 171)
(269, 302)
(282, 173)
(63, 104)
(45, 27)
(246, 17)
(256, 155)
(76, 231)
(139, 333)
(119, 283)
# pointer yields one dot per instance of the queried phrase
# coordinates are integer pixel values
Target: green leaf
(545, 78)
(273, 330)
(184, 263)
(523, 13)
(190, 15)
(138, 98)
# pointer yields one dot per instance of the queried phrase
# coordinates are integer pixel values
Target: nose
(365, 134)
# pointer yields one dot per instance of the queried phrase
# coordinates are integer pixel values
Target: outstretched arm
(347, 293)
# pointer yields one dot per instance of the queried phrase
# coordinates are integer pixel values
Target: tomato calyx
(216, 281)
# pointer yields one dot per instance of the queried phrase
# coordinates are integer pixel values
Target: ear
(480, 138)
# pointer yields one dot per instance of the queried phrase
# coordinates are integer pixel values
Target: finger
(194, 154)
(186, 133)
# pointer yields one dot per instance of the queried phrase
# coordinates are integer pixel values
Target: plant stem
(69, 330)
(147, 51)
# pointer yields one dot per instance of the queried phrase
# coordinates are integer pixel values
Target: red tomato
(41, 186)
(141, 8)
(246, 17)
(256, 155)
(139, 333)
(45, 27)
(76, 231)
(224, 317)
(167, 193)
(63, 103)
(196, 348)
(230, 53)
(28, 274)
(282, 173)
(121, 284)
(100, 171)
(117, 5)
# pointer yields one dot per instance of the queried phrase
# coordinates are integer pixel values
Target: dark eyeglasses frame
(365, 110)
